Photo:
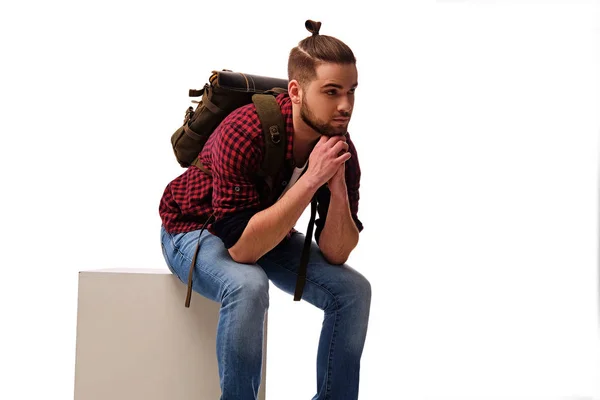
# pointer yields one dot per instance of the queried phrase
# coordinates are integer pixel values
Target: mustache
(343, 114)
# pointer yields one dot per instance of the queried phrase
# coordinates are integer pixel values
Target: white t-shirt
(295, 175)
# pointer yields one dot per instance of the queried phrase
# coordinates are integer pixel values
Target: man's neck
(305, 139)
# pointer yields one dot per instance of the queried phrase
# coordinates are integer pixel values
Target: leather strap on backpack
(198, 164)
(273, 127)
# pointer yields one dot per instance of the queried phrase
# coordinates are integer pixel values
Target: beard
(321, 127)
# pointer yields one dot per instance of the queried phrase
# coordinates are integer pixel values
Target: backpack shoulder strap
(273, 127)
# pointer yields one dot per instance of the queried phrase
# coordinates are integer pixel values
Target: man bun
(313, 26)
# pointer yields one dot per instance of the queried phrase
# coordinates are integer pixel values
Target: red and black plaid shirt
(233, 154)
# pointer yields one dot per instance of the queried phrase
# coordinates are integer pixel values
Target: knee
(357, 295)
(251, 292)
(362, 291)
(359, 302)
(353, 292)
(356, 285)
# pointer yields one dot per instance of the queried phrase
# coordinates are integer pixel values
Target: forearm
(268, 227)
(340, 234)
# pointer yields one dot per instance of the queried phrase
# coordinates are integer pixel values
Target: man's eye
(331, 92)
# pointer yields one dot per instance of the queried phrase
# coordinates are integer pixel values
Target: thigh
(215, 272)
(326, 283)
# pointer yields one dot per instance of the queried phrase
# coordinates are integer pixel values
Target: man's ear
(295, 91)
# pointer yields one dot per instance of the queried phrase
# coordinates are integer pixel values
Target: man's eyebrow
(337, 86)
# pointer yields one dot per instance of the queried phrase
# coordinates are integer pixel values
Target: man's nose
(345, 106)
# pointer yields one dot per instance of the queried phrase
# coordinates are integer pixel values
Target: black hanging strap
(188, 296)
(301, 280)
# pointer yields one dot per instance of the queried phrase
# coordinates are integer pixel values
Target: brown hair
(315, 50)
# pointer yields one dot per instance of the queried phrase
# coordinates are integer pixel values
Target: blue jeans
(243, 292)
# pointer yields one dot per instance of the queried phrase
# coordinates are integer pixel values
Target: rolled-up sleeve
(353, 173)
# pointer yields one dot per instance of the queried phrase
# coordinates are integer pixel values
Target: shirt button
(284, 183)
(237, 188)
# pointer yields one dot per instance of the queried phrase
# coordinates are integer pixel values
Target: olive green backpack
(225, 92)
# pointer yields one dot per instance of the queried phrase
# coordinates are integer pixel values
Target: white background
(476, 124)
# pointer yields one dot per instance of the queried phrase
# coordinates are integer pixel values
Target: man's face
(327, 101)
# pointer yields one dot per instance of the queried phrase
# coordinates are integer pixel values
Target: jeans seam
(330, 358)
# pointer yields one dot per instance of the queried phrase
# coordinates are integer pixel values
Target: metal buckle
(275, 135)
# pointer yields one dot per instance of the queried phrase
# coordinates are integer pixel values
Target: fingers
(322, 140)
(334, 139)
(328, 155)
(343, 157)
(323, 144)
(334, 145)
(340, 146)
